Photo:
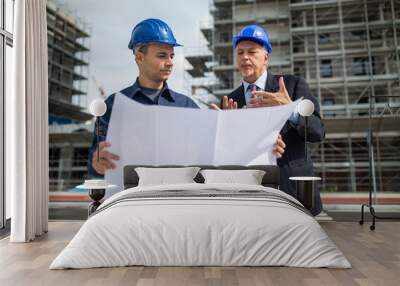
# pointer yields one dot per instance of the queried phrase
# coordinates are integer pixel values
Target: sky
(111, 23)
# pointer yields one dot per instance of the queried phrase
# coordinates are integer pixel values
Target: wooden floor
(374, 255)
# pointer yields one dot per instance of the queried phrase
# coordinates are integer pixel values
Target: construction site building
(348, 52)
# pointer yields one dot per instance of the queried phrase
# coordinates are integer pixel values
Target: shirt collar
(260, 82)
(165, 91)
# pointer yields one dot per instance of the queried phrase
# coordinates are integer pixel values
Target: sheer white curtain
(27, 123)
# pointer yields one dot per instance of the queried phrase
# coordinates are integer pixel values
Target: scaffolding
(68, 155)
(68, 61)
(199, 73)
(348, 51)
(68, 64)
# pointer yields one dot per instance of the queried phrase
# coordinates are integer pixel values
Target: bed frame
(270, 179)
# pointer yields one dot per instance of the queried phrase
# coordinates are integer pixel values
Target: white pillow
(248, 177)
(165, 176)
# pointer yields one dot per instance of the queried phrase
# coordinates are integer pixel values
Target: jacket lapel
(238, 96)
(272, 83)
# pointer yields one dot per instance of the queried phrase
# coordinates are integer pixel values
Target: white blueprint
(160, 135)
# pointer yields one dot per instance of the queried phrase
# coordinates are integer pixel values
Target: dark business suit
(293, 161)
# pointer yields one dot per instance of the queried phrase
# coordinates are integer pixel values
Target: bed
(201, 224)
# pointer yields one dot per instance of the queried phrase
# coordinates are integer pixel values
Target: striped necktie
(250, 88)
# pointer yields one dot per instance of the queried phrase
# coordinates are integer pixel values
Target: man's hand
(264, 98)
(279, 147)
(226, 104)
(106, 158)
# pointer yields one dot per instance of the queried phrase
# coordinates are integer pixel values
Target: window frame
(6, 39)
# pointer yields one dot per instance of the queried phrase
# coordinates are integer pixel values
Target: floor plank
(374, 255)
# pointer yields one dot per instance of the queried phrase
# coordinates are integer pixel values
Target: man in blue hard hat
(152, 43)
(261, 88)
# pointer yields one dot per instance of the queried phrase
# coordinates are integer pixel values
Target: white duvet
(185, 231)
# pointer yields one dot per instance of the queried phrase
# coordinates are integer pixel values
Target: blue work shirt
(166, 97)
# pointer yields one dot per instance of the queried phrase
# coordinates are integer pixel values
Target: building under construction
(348, 52)
(68, 71)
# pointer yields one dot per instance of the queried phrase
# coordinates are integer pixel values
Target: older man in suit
(261, 88)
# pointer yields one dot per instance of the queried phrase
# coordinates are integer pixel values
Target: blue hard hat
(152, 31)
(253, 33)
